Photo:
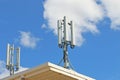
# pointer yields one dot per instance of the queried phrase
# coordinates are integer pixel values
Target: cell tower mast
(13, 59)
(65, 38)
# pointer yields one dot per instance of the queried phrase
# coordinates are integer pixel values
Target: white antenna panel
(8, 55)
(66, 32)
(72, 34)
(59, 32)
(18, 58)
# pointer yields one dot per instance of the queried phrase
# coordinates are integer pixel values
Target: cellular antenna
(13, 59)
(65, 38)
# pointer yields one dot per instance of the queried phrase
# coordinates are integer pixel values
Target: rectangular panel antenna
(8, 56)
(17, 58)
(59, 23)
(12, 55)
(66, 37)
(72, 34)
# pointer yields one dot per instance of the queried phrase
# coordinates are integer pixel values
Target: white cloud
(84, 13)
(112, 9)
(5, 73)
(43, 26)
(28, 40)
(1, 66)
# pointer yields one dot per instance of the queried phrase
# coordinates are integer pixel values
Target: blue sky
(31, 24)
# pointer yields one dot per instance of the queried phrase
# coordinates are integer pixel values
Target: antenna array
(65, 38)
(12, 58)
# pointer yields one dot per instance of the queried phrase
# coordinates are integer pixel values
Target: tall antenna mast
(65, 38)
(13, 59)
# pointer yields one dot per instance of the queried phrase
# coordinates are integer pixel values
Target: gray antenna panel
(18, 58)
(12, 55)
(66, 37)
(59, 25)
(72, 34)
(8, 56)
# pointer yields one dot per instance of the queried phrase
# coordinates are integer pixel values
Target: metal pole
(12, 61)
(65, 56)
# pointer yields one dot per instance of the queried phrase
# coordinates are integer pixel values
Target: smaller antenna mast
(63, 38)
(10, 59)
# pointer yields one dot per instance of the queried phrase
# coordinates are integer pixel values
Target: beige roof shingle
(48, 71)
